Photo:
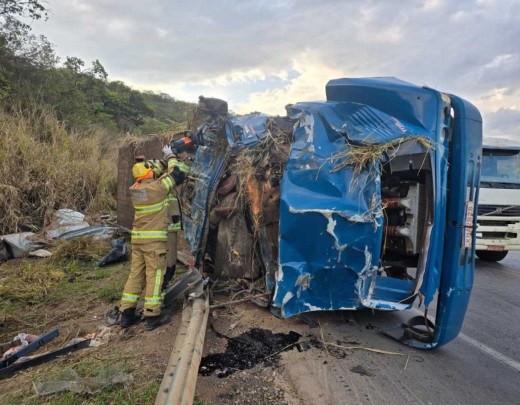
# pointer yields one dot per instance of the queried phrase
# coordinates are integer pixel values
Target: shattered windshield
(501, 166)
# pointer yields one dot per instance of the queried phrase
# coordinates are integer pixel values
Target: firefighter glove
(167, 151)
(177, 175)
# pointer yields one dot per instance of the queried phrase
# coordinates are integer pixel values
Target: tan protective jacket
(150, 199)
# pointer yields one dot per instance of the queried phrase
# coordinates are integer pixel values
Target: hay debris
(261, 166)
(84, 249)
(369, 155)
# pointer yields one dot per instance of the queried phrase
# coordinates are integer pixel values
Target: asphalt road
(482, 366)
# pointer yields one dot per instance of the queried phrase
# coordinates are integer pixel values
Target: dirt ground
(77, 307)
(250, 356)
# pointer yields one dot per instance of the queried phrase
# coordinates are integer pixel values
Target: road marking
(492, 352)
(484, 348)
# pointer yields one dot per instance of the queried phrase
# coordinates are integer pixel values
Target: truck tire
(491, 256)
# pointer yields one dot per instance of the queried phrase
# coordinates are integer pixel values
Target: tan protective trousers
(146, 270)
(171, 256)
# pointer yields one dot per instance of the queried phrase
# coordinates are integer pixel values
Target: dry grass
(33, 280)
(369, 155)
(84, 249)
(44, 167)
(259, 165)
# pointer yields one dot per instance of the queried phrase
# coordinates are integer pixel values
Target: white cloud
(231, 50)
(309, 85)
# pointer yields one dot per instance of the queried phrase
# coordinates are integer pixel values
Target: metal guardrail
(180, 377)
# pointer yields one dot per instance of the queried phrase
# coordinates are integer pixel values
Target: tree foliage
(31, 73)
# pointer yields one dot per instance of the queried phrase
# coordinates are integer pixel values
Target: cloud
(505, 122)
(308, 85)
(261, 54)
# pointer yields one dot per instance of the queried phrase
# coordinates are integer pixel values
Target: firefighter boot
(170, 272)
(153, 322)
(128, 318)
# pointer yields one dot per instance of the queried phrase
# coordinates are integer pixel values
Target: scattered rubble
(69, 380)
(66, 224)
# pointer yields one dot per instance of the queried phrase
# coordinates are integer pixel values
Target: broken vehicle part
(119, 253)
(183, 283)
(98, 232)
(18, 245)
(29, 348)
(42, 358)
(362, 201)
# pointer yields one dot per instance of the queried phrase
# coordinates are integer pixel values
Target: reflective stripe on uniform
(182, 166)
(174, 227)
(127, 297)
(157, 286)
(149, 235)
(168, 182)
(152, 208)
(152, 301)
(171, 198)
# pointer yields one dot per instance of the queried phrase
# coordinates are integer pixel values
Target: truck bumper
(498, 233)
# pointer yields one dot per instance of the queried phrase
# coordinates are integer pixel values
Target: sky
(260, 55)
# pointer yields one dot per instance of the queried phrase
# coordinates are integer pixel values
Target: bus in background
(498, 218)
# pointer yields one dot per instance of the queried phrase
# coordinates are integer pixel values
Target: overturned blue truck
(365, 200)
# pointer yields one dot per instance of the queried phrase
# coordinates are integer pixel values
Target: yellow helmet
(147, 169)
(141, 172)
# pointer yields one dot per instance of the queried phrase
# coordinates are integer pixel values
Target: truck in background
(498, 216)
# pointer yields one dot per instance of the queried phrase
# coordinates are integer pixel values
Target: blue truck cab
(365, 200)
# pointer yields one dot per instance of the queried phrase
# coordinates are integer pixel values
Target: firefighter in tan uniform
(149, 241)
(174, 216)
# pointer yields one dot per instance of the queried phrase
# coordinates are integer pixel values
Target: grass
(137, 393)
(111, 292)
(33, 299)
(44, 166)
(36, 293)
(84, 249)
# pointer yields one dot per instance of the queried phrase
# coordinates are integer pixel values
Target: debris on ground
(362, 370)
(25, 362)
(119, 253)
(65, 224)
(69, 380)
(65, 220)
(28, 344)
(18, 343)
(18, 245)
(40, 253)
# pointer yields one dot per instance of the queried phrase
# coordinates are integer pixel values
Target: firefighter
(174, 216)
(149, 196)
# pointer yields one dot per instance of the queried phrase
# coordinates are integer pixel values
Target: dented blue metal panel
(458, 264)
(208, 166)
(331, 222)
(250, 129)
(423, 108)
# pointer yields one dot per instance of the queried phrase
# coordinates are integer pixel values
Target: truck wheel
(491, 256)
